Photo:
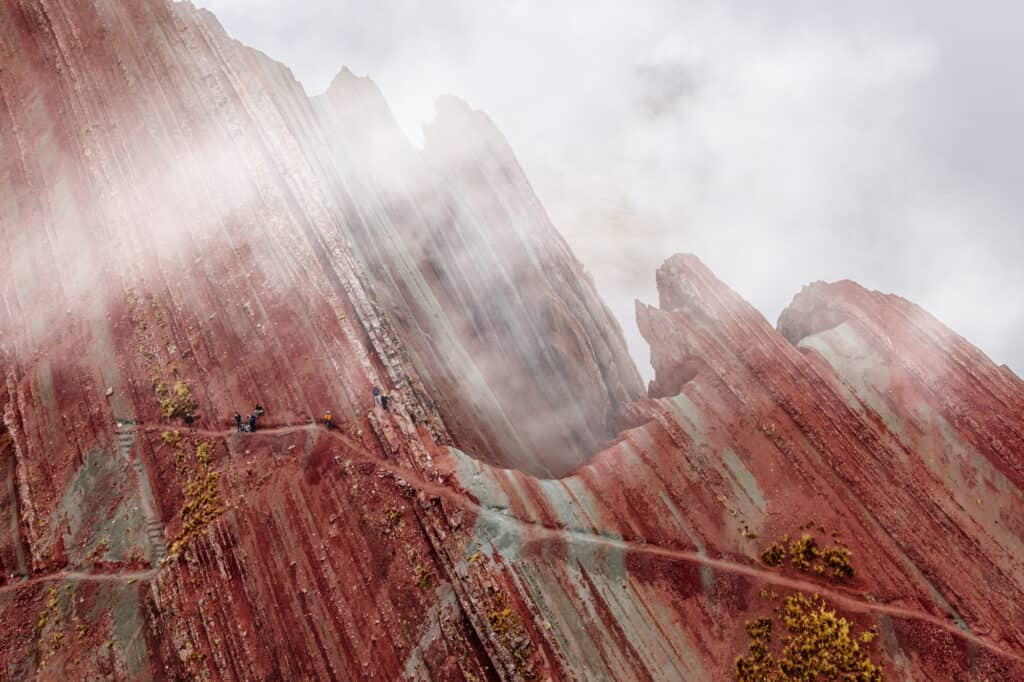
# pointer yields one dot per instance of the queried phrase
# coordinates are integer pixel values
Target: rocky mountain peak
(453, 471)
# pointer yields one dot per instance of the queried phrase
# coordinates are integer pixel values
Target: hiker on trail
(328, 420)
(384, 399)
(238, 422)
(252, 422)
(189, 419)
(376, 395)
(259, 410)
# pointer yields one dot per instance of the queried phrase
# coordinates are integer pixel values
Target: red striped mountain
(186, 231)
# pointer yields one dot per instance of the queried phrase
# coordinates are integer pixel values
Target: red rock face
(181, 233)
(651, 557)
(186, 230)
(523, 360)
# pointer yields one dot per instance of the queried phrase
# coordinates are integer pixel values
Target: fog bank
(783, 143)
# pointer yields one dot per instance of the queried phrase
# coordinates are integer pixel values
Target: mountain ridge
(190, 234)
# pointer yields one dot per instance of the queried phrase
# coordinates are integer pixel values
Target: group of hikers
(380, 397)
(250, 424)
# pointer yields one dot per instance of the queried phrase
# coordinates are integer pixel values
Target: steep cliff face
(524, 361)
(895, 355)
(186, 231)
(179, 237)
(759, 472)
(143, 140)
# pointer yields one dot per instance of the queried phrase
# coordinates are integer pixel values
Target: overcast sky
(782, 142)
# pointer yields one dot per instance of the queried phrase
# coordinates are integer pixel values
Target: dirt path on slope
(848, 599)
(119, 576)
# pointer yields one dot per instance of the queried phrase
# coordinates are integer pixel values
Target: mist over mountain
(289, 393)
(786, 143)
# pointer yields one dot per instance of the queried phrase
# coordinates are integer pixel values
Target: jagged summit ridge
(189, 233)
(747, 440)
(496, 312)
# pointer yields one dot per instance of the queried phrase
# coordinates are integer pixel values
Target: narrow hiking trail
(846, 598)
(849, 599)
(226, 433)
(119, 576)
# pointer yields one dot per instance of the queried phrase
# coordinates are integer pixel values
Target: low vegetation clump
(52, 602)
(393, 519)
(172, 438)
(201, 486)
(421, 572)
(203, 454)
(508, 628)
(819, 644)
(50, 619)
(838, 559)
(177, 402)
(803, 552)
(203, 502)
(806, 555)
(758, 664)
(774, 555)
(502, 620)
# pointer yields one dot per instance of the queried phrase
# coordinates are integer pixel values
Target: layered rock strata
(187, 232)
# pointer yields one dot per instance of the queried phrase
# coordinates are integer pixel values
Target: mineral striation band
(184, 226)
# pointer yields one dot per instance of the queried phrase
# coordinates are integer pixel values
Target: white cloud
(783, 143)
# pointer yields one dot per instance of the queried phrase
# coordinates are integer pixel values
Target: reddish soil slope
(185, 230)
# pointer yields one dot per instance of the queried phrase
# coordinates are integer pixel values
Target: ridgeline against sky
(454, 471)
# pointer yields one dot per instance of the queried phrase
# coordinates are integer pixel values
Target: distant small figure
(259, 410)
(376, 395)
(252, 422)
(189, 419)
(384, 399)
(329, 420)
(238, 422)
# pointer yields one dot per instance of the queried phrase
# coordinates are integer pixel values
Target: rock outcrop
(760, 473)
(187, 233)
(524, 362)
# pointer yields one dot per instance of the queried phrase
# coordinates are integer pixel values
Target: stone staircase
(125, 440)
(157, 541)
(154, 527)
